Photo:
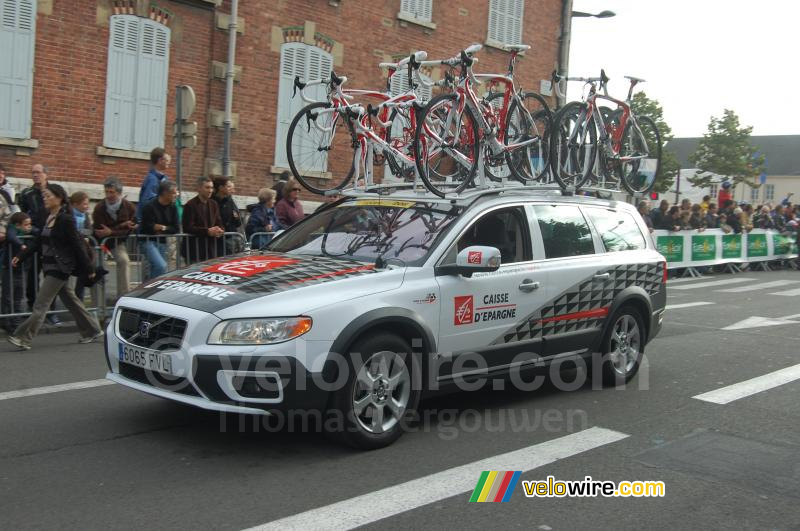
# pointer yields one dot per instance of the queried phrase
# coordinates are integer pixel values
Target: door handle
(602, 276)
(528, 285)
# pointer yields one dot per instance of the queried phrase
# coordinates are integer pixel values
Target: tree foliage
(726, 150)
(644, 106)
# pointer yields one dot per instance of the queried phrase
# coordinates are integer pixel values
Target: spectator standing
(201, 219)
(224, 189)
(13, 277)
(31, 201)
(763, 219)
(724, 193)
(746, 218)
(114, 219)
(778, 219)
(671, 220)
(686, 205)
(644, 210)
(79, 205)
(159, 217)
(697, 220)
(657, 216)
(711, 220)
(278, 186)
(704, 204)
(7, 189)
(159, 163)
(263, 219)
(64, 254)
(289, 210)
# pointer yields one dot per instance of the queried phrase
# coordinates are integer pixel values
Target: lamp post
(566, 32)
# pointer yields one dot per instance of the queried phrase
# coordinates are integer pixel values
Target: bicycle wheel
(531, 162)
(320, 143)
(495, 168)
(573, 145)
(640, 155)
(446, 146)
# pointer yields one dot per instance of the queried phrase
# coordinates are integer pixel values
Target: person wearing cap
(724, 193)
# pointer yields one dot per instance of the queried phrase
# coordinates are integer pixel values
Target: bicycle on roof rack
(333, 130)
(457, 132)
(626, 148)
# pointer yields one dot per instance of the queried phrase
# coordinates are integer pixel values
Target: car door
(579, 284)
(480, 314)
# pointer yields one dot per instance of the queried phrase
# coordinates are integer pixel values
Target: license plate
(146, 359)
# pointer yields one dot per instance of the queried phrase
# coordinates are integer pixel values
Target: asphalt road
(106, 457)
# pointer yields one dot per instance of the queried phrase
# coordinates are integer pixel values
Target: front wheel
(573, 145)
(446, 145)
(529, 124)
(379, 395)
(640, 155)
(319, 143)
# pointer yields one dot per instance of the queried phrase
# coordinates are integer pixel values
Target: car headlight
(258, 331)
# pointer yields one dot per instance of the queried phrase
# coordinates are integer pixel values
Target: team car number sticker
(250, 265)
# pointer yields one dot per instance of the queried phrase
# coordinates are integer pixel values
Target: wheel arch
(638, 298)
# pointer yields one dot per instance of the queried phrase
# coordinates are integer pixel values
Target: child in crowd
(19, 225)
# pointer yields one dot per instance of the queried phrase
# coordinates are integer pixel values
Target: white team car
(368, 305)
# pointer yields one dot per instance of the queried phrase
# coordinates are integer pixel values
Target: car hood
(217, 284)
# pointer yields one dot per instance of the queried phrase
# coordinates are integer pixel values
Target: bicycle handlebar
(335, 83)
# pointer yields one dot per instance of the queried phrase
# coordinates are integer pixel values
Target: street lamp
(566, 30)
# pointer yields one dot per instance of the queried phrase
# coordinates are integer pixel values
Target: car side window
(564, 231)
(618, 230)
(504, 229)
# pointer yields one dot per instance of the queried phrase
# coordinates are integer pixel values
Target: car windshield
(365, 229)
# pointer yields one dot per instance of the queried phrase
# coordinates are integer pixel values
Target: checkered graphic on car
(584, 305)
(216, 284)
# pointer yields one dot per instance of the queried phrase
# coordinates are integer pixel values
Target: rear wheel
(623, 346)
(640, 155)
(320, 143)
(379, 395)
(446, 146)
(573, 145)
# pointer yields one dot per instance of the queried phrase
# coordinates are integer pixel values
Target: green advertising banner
(671, 247)
(703, 248)
(757, 245)
(782, 244)
(732, 246)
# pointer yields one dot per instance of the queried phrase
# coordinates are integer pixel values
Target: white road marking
(685, 279)
(788, 293)
(390, 501)
(687, 305)
(8, 395)
(739, 390)
(713, 283)
(756, 321)
(760, 285)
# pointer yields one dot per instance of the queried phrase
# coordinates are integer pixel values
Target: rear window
(618, 230)
(564, 231)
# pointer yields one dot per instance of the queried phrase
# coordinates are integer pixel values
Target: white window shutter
(151, 85)
(17, 40)
(308, 62)
(419, 9)
(505, 21)
(123, 52)
(517, 8)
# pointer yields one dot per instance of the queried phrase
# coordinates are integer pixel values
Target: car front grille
(151, 330)
(174, 384)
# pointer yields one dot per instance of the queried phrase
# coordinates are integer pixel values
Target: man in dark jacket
(160, 216)
(114, 219)
(229, 212)
(201, 219)
(658, 216)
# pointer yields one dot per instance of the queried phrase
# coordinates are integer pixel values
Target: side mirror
(473, 259)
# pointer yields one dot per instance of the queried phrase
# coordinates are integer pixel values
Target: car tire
(623, 346)
(380, 395)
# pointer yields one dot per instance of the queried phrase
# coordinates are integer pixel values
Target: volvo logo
(144, 329)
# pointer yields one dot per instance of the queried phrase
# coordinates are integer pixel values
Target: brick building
(87, 87)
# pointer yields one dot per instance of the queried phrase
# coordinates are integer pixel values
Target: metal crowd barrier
(20, 286)
(258, 240)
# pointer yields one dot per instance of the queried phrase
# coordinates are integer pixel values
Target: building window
(505, 21)
(713, 190)
(308, 62)
(754, 194)
(420, 10)
(17, 39)
(136, 83)
(769, 192)
(399, 84)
